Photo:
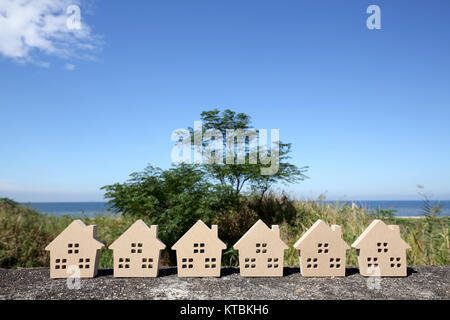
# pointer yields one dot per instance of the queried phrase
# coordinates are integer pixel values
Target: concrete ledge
(423, 282)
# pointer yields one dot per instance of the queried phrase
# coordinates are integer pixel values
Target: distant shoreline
(315, 200)
(403, 208)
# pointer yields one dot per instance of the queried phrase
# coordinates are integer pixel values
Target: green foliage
(238, 175)
(153, 191)
(9, 202)
(273, 208)
(383, 213)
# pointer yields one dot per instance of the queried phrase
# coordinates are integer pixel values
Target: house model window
(187, 263)
(137, 251)
(210, 263)
(147, 263)
(261, 248)
(60, 263)
(124, 263)
(322, 247)
(136, 247)
(199, 248)
(261, 251)
(382, 247)
(335, 262)
(248, 261)
(73, 248)
(311, 263)
(395, 262)
(272, 263)
(84, 263)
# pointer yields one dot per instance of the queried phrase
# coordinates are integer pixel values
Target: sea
(92, 209)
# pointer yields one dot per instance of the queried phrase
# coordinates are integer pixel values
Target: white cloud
(32, 27)
(69, 66)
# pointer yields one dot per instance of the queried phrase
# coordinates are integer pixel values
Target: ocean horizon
(92, 209)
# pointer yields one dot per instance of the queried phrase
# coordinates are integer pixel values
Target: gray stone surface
(424, 282)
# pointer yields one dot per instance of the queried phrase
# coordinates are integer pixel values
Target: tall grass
(24, 233)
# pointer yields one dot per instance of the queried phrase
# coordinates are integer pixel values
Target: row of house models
(321, 249)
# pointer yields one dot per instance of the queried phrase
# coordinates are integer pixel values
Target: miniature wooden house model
(381, 251)
(261, 251)
(199, 252)
(137, 251)
(75, 246)
(322, 251)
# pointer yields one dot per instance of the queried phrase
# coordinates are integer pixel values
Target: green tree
(238, 175)
(9, 202)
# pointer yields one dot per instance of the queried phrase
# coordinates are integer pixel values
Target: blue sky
(367, 110)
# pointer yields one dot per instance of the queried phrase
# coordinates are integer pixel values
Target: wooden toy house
(381, 251)
(261, 251)
(199, 252)
(322, 251)
(76, 246)
(137, 251)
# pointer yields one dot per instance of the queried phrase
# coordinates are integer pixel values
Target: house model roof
(379, 227)
(140, 228)
(258, 229)
(78, 228)
(321, 227)
(202, 230)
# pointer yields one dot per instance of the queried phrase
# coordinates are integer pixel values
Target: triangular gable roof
(140, 227)
(200, 226)
(91, 232)
(261, 227)
(318, 226)
(376, 224)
